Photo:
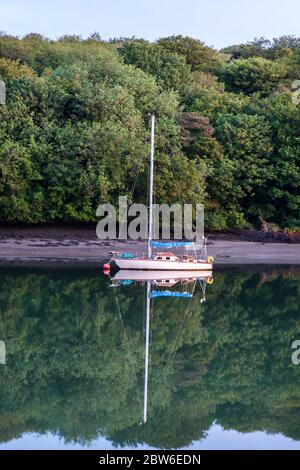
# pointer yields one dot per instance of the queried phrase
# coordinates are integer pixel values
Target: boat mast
(148, 300)
(150, 227)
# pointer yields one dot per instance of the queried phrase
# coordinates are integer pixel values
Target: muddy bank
(88, 232)
(81, 246)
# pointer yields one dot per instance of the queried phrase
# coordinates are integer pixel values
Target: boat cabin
(166, 257)
(189, 259)
(165, 282)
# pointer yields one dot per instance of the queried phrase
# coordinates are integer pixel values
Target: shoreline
(71, 246)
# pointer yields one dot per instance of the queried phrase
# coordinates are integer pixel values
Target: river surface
(222, 374)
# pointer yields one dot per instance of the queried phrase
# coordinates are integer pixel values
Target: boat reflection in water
(185, 282)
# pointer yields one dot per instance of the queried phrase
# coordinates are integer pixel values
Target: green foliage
(252, 75)
(12, 69)
(197, 54)
(76, 136)
(261, 47)
(170, 69)
(74, 130)
(281, 198)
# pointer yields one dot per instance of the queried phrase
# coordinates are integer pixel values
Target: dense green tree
(170, 68)
(255, 74)
(12, 69)
(281, 200)
(75, 127)
(197, 54)
(78, 134)
(262, 47)
(257, 48)
(198, 138)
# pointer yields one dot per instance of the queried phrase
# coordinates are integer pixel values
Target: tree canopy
(74, 129)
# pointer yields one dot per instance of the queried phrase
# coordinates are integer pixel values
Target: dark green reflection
(75, 366)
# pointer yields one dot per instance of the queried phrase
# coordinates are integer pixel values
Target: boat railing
(143, 254)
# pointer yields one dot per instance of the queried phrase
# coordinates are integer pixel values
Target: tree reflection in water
(74, 367)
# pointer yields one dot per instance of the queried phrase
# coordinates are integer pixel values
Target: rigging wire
(133, 186)
(137, 170)
(178, 336)
(130, 354)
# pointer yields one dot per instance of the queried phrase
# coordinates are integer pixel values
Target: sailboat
(163, 260)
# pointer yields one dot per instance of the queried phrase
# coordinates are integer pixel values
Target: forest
(74, 132)
(75, 365)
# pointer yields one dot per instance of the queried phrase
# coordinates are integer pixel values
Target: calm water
(221, 374)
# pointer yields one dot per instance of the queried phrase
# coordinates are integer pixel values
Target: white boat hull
(152, 264)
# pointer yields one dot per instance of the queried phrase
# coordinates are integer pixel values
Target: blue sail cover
(170, 244)
(168, 293)
(126, 282)
(127, 256)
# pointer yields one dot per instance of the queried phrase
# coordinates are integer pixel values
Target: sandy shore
(80, 246)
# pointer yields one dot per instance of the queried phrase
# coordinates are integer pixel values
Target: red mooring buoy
(106, 268)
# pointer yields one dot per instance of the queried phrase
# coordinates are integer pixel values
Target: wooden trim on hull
(149, 264)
